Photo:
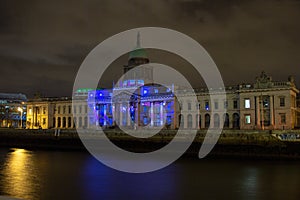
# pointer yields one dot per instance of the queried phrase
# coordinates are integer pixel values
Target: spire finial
(138, 40)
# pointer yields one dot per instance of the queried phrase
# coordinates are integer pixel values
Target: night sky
(43, 43)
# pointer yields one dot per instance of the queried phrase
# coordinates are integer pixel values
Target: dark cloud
(46, 41)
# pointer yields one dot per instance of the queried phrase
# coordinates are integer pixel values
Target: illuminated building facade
(57, 113)
(151, 105)
(12, 110)
(264, 105)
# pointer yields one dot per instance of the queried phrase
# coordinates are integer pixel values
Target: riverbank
(232, 143)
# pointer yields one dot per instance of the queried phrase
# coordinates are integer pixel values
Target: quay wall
(232, 143)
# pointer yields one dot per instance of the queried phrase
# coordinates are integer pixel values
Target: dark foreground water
(77, 175)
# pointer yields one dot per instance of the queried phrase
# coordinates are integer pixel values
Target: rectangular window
(44, 121)
(69, 109)
(189, 106)
(44, 110)
(247, 103)
(64, 109)
(282, 101)
(235, 104)
(247, 119)
(216, 105)
(282, 118)
(85, 108)
(206, 105)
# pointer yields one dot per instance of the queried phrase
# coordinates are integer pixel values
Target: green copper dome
(138, 52)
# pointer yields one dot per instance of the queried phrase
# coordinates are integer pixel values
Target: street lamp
(21, 111)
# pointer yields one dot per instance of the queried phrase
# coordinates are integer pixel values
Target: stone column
(67, 122)
(56, 124)
(121, 115)
(230, 120)
(262, 114)
(151, 114)
(161, 114)
(221, 120)
(257, 112)
(72, 122)
(174, 114)
(271, 110)
(104, 114)
(113, 112)
(128, 114)
(212, 120)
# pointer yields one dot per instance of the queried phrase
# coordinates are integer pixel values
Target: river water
(37, 174)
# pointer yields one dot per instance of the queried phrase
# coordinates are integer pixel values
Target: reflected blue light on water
(102, 182)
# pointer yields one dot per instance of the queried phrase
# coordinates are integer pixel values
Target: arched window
(190, 121)
(80, 122)
(207, 120)
(58, 122)
(69, 122)
(54, 122)
(75, 122)
(181, 120)
(236, 121)
(226, 120)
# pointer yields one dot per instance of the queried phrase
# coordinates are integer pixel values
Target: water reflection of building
(12, 107)
(266, 104)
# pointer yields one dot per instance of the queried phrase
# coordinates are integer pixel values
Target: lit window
(156, 91)
(247, 119)
(206, 105)
(247, 103)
